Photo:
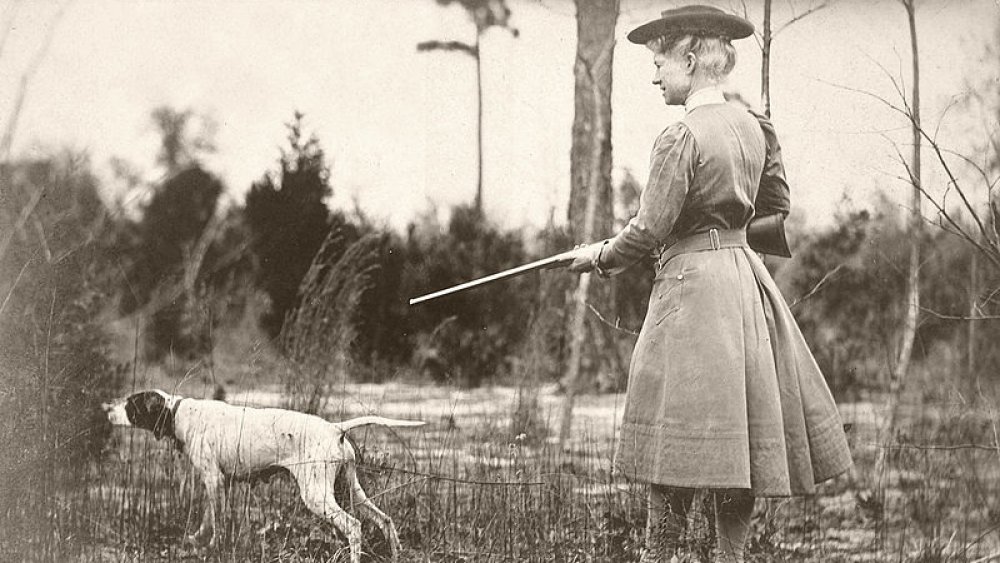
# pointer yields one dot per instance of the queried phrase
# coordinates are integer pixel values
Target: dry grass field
(465, 488)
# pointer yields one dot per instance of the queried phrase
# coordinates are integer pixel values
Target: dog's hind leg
(364, 504)
(316, 487)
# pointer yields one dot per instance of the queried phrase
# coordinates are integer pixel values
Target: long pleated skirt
(723, 391)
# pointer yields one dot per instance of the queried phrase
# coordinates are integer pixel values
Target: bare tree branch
(944, 113)
(617, 325)
(826, 277)
(959, 317)
(943, 213)
(897, 85)
(22, 219)
(448, 46)
(992, 295)
(942, 161)
(195, 257)
(173, 288)
(980, 169)
(13, 285)
(746, 15)
(954, 181)
(800, 17)
(42, 239)
(867, 93)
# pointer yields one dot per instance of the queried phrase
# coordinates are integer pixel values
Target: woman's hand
(584, 257)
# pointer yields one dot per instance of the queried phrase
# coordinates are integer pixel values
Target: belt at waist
(700, 242)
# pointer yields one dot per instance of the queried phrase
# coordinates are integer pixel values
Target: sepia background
(237, 199)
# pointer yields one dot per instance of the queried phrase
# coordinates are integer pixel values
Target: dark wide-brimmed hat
(697, 20)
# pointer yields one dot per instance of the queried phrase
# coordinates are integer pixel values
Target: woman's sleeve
(773, 194)
(671, 169)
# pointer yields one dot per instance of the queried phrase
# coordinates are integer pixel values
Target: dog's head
(149, 410)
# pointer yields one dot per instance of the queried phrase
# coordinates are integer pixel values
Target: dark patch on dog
(358, 451)
(262, 476)
(148, 410)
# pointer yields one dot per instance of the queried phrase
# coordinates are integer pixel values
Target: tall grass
(318, 336)
(466, 489)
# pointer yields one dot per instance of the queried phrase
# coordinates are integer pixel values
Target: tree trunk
(913, 277)
(912, 302)
(590, 205)
(479, 128)
(765, 60)
(970, 351)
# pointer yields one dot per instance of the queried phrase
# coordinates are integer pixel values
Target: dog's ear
(148, 410)
(162, 419)
(135, 410)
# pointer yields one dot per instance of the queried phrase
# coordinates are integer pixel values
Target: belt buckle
(713, 236)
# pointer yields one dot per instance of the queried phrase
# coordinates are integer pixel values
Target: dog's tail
(347, 425)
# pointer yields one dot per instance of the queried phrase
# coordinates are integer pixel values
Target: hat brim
(720, 24)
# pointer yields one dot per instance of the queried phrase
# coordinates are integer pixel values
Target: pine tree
(288, 220)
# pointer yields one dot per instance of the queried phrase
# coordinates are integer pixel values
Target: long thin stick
(530, 267)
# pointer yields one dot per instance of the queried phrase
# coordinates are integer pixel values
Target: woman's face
(673, 76)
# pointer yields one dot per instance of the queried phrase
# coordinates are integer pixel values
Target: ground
(469, 487)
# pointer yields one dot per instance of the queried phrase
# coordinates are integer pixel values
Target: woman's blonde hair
(716, 55)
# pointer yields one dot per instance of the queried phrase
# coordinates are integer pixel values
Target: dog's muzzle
(116, 413)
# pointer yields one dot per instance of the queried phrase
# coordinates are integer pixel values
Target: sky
(398, 126)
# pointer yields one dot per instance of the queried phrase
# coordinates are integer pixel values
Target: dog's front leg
(212, 478)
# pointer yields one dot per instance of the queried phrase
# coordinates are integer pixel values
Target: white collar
(704, 97)
(172, 402)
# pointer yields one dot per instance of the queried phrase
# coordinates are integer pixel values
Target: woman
(723, 392)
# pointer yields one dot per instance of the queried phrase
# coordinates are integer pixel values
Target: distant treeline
(336, 286)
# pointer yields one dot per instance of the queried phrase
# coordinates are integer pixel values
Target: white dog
(224, 440)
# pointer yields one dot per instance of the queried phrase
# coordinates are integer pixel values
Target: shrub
(468, 337)
(289, 222)
(55, 258)
(166, 263)
(851, 321)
